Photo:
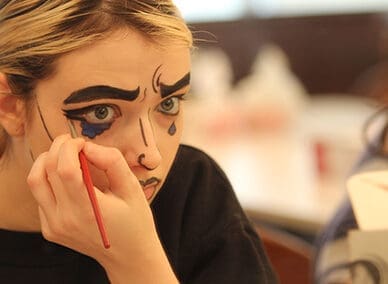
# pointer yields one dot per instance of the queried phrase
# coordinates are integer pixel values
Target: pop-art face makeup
(122, 92)
(97, 118)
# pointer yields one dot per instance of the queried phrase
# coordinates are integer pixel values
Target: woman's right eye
(101, 114)
(96, 114)
(94, 119)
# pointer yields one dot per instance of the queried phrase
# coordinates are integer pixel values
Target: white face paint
(124, 92)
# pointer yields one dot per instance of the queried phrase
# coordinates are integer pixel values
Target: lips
(149, 187)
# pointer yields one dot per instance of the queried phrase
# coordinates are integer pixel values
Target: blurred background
(281, 90)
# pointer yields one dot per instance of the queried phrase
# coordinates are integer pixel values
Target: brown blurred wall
(329, 53)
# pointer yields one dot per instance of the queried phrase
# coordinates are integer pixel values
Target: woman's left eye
(170, 106)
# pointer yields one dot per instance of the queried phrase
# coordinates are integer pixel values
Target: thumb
(110, 160)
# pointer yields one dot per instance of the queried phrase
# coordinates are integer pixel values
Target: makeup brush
(90, 188)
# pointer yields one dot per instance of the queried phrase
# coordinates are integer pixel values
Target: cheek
(49, 121)
(171, 125)
(37, 140)
(168, 147)
(169, 131)
(169, 137)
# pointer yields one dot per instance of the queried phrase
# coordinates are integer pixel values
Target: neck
(18, 209)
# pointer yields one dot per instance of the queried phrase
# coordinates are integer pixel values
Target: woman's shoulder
(197, 188)
(192, 154)
(195, 163)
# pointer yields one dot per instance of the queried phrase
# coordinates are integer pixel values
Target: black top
(202, 227)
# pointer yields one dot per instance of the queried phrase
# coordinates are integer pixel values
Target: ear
(12, 109)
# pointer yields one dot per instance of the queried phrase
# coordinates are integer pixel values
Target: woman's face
(121, 92)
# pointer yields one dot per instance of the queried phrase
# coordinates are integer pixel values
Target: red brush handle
(92, 196)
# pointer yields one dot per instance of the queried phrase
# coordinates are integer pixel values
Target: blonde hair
(35, 33)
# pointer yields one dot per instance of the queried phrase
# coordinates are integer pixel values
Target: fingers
(63, 169)
(40, 187)
(69, 169)
(56, 183)
(65, 211)
(57, 180)
(122, 181)
(55, 177)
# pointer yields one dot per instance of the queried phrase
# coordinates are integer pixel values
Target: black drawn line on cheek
(142, 132)
(32, 155)
(172, 129)
(43, 122)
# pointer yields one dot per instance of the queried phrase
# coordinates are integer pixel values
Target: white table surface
(274, 174)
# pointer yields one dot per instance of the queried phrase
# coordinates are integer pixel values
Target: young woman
(117, 70)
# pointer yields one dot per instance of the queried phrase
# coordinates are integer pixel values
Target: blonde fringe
(36, 32)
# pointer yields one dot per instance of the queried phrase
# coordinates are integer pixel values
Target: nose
(144, 151)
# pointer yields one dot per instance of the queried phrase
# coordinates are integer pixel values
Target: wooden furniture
(290, 256)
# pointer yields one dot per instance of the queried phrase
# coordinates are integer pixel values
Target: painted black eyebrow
(166, 90)
(101, 92)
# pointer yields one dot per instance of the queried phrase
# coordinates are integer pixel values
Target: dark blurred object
(327, 52)
(373, 83)
(375, 133)
(290, 256)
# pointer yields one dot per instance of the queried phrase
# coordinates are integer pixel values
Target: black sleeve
(236, 255)
(205, 232)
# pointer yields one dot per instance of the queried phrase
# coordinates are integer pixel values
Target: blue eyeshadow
(92, 130)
